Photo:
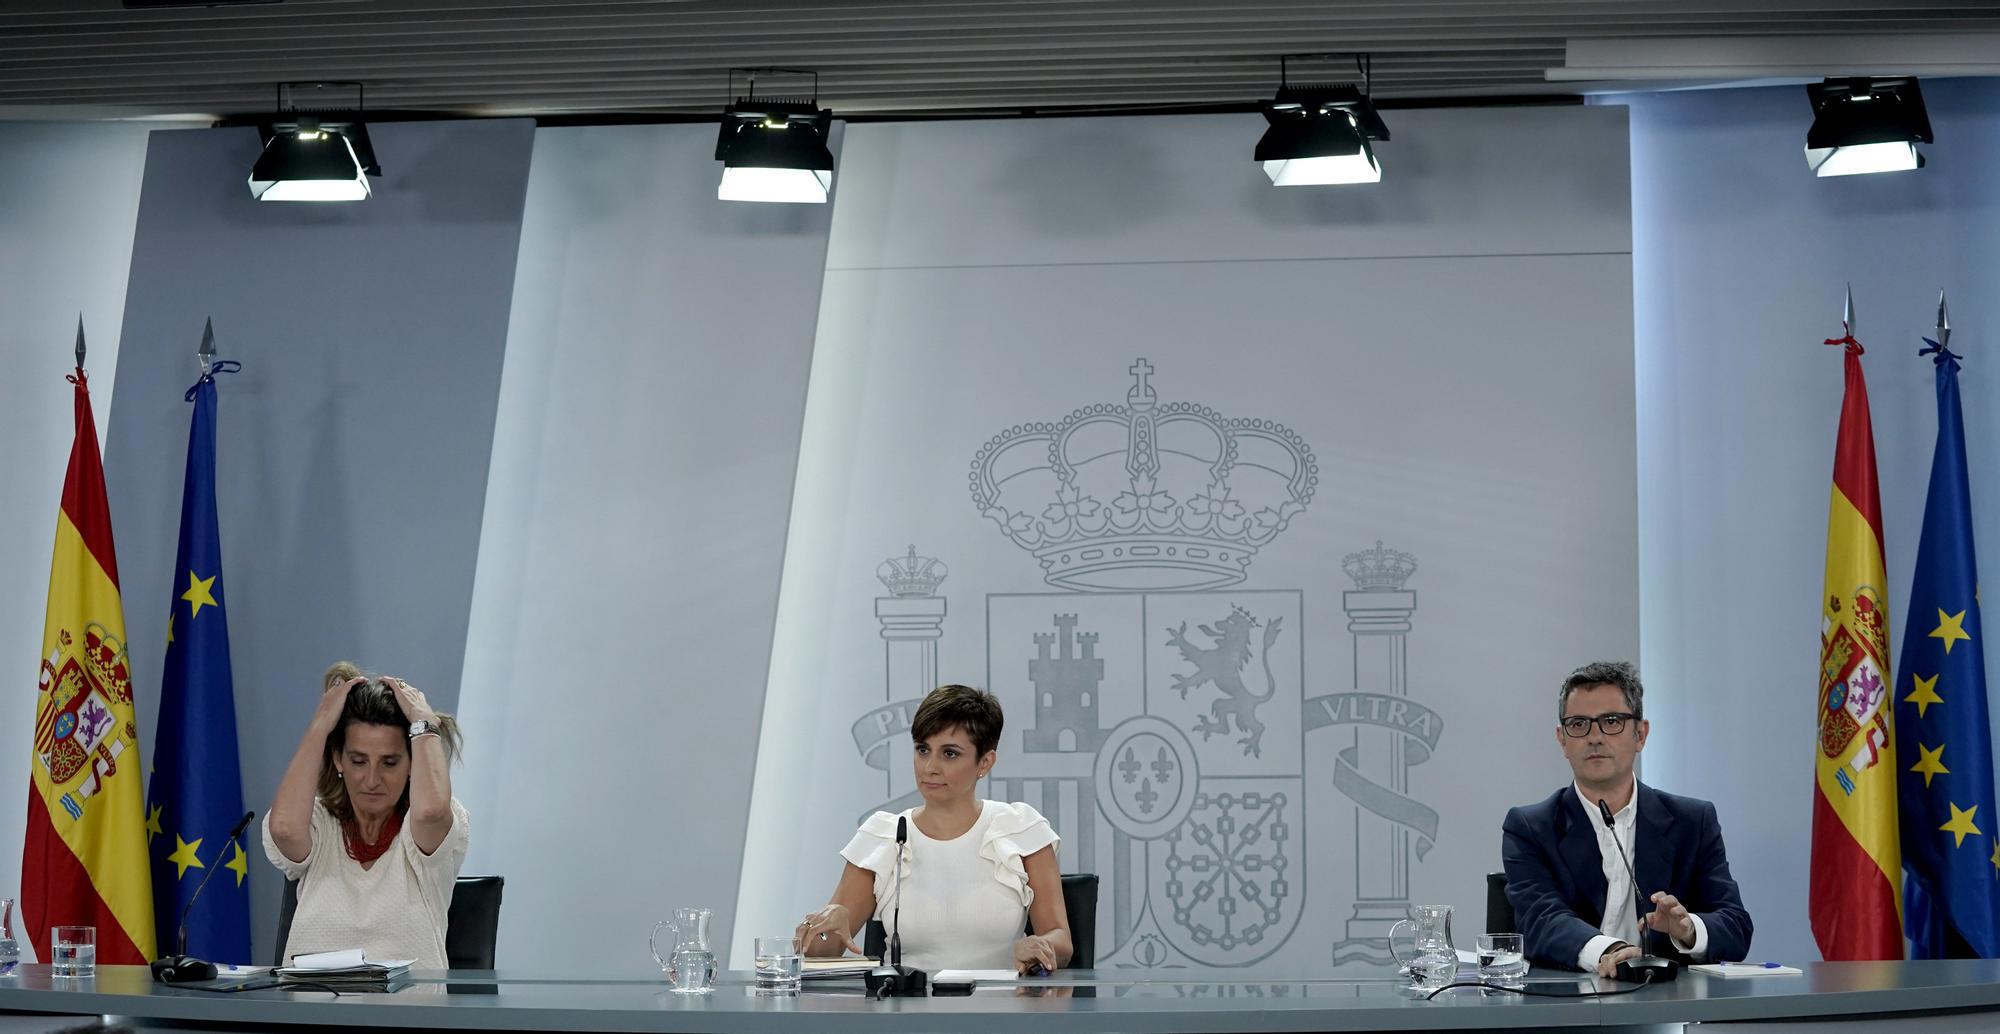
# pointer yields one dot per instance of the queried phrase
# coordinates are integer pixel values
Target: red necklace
(365, 851)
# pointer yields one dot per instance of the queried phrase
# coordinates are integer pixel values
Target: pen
(1753, 965)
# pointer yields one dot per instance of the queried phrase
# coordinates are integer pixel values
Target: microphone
(896, 979)
(1647, 968)
(896, 917)
(183, 968)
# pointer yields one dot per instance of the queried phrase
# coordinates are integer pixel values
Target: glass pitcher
(690, 964)
(1432, 960)
(10, 949)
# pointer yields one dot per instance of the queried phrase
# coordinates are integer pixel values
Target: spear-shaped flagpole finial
(1847, 312)
(1943, 323)
(206, 353)
(79, 341)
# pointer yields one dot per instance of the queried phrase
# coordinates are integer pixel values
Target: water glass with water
(779, 964)
(1503, 959)
(10, 949)
(73, 951)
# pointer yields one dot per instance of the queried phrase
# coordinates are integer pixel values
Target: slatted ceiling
(94, 58)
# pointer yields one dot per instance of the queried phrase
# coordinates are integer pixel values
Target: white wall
(1452, 344)
(1740, 258)
(647, 432)
(66, 221)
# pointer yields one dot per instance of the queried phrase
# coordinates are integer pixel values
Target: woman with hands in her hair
(975, 872)
(365, 822)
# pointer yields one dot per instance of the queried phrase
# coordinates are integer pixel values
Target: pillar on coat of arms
(1378, 617)
(912, 618)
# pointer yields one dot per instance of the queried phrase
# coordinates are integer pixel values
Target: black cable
(1537, 994)
(277, 985)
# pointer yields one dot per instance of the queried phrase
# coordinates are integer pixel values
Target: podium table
(1903, 996)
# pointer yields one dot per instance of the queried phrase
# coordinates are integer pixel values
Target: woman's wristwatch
(422, 727)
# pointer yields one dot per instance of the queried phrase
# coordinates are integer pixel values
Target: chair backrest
(1499, 910)
(472, 924)
(1079, 904)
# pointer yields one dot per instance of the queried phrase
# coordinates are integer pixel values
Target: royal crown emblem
(912, 575)
(1379, 569)
(1144, 496)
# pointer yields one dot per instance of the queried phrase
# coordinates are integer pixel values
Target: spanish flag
(84, 858)
(1855, 901)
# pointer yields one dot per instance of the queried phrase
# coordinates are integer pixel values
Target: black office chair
(1079, 904)
(472, 924)
(1499, 910)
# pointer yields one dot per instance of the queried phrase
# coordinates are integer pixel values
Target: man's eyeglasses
(1577, 726)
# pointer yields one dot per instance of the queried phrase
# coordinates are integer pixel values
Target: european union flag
(197, 790)
(1951, 833)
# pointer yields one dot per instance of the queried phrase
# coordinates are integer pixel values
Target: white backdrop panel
(647, 431)
(1452, 350)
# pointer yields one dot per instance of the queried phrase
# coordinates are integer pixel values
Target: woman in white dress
(365, 822)
(975, 872)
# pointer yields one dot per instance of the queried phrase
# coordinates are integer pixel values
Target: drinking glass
(779, 964)
(1503, 959)
(73, 951)
(10, 950)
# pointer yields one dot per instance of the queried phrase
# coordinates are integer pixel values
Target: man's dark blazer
(1555, 874)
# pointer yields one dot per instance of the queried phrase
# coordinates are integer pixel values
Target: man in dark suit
(1572, 899)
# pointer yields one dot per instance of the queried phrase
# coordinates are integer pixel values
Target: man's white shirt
(1621, 909)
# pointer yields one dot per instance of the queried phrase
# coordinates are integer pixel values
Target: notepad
(1733, 970)
(965, 977)
(352, 962)
(844, 966)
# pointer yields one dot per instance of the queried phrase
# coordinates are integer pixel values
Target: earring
(340, 775)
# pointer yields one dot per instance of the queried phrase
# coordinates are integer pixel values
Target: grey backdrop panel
(353, 447)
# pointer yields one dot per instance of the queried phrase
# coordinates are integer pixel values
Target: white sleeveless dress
(965, 900)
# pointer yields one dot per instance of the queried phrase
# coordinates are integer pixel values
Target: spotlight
(324, 157)
(311, 161)
(774, 148)
(1866, 125)
(1320, 134)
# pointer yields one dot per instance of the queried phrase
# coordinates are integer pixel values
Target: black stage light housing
(775, 150)
(1864, 125)
(1319, 135)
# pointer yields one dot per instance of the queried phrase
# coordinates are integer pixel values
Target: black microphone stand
(1648, 968)
(896, 980)
(182, 968)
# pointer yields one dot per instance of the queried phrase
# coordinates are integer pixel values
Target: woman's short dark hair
(973, 710)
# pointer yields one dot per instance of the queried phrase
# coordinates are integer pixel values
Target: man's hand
(1617, 953)
(1671, 916)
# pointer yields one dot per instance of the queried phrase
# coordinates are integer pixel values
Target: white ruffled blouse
(965, 900)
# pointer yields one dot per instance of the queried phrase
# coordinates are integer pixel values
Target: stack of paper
(844, 966)
(346, 970)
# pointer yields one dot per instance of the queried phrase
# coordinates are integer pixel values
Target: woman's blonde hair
(370, 703)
